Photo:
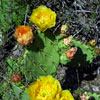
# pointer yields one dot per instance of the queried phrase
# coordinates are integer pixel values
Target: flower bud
(68, 40)
(16, 77)
(84, 96)
(97, 50)
(63, 29)
(92, 43)
(70, 53)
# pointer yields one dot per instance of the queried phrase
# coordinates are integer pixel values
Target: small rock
(86, 87)
(95, 88)
(61, 73)
(17, 51)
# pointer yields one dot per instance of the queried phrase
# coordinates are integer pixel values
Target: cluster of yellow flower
(42, 17)
(48, 88)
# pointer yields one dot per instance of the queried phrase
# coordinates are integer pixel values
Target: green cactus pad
(87, 50)
(96, 96)
(64, 59)
(42, 57)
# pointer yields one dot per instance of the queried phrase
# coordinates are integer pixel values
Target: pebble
(17, 51)
(61, 73)
(95, 88)
(91, 85)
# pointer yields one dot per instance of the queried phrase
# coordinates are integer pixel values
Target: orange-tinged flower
(68, 40)
(24, 35)
(43, 18)
(70, 53)
(92, 43)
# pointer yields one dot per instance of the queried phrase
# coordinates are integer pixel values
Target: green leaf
(17, 90)
(25, 96)
(11, 13)
(43, 57)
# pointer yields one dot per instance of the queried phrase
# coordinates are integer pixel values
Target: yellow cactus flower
(45, 88)
(43, 18)
(66, 95)
(24, 35)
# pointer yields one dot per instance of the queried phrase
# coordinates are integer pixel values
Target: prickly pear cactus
(87, 51)
(94, 95)
(62, 50)
(40, 58)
